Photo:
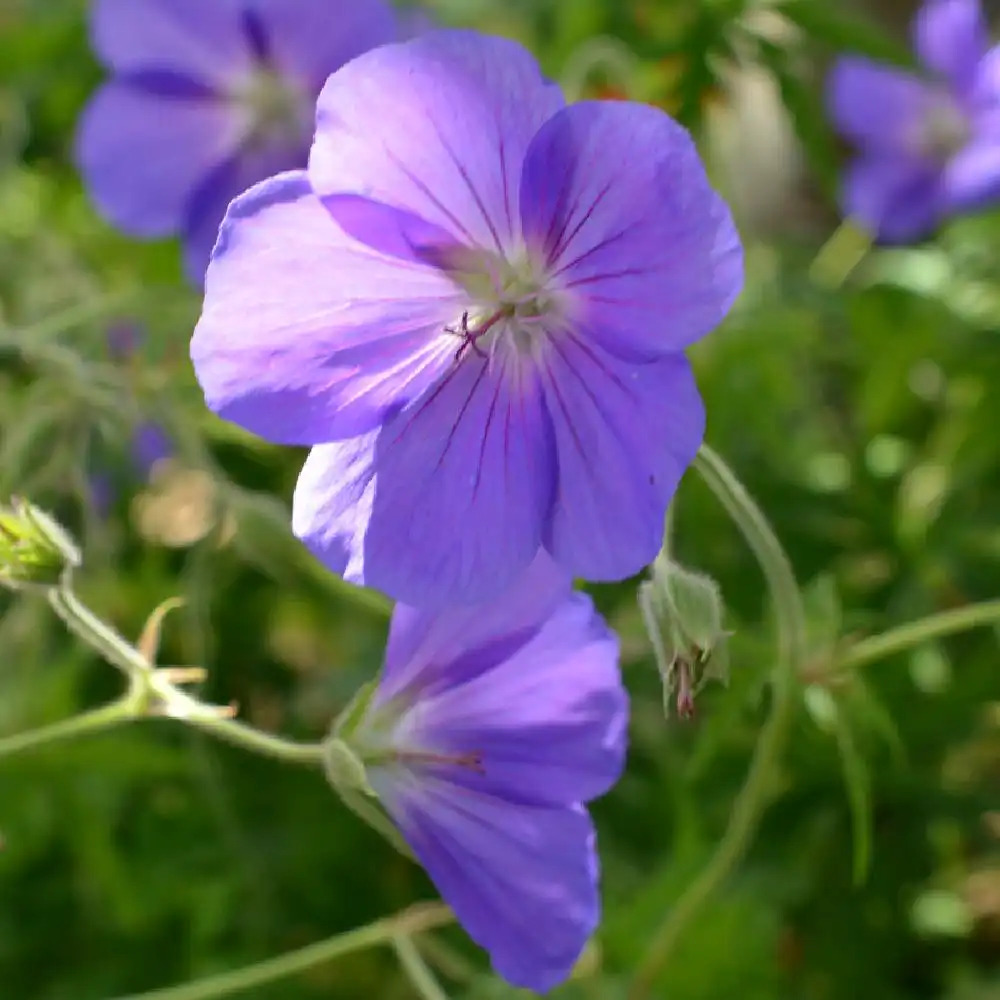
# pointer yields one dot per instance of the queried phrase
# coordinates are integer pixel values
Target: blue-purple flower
(928, 146)
(474, 305)
(488, 731)
(208, 97)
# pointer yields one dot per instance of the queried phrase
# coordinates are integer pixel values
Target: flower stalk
(758, 789)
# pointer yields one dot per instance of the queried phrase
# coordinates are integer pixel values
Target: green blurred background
(861, 409)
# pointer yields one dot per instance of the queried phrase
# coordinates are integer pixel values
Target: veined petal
(143, 156)
(548, 720)
(874, 105)
(625, 433)
(195, 38)
(309, 39)
(898, 200)
(464, 477)
(951, 38)
(644, 250)
(307, 336)
(207, 206)
(422, 643)
(522, 880)
(332, 503)
(450, 153)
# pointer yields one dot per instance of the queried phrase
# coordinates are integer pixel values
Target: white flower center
(276, 109)
(510, 304)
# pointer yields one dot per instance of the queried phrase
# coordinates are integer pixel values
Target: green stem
(175, 704)
(84, 624)
(160, 697)
(124, 710)
(758, 789)
(416, 969)
(412, 921)
(912, 634)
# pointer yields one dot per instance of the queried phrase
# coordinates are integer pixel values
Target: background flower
(475, 305)
(928, 147)
(208, 97)
(489, 730)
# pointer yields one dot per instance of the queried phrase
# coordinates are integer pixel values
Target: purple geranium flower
(929, 147)
(488, 731)
(208, 97)
(474, 305)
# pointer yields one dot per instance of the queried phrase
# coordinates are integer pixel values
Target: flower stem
(85, 625)
(416, 969)
(757, 790)
(411, 921)
(151, 694)
(912, 634)
(175, 704)
(114, 714)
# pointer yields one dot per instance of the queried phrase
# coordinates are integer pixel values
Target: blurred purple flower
(149, 442)
(489, 730)
(207, 98)
(928, 147)
(475, 304)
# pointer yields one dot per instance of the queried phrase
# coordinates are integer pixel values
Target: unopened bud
(35, 551)
(683, 612)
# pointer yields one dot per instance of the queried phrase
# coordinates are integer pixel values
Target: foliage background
(862, 412)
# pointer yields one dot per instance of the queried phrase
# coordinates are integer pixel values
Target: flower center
(275, 107)
(510, 304)
(943, 131)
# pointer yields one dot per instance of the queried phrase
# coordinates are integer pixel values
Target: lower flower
(488, 731)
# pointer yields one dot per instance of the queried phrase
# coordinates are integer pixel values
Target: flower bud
(35, 551)
(683, 612)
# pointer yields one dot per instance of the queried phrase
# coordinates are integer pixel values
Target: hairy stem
(114, 714)
(904, 637)
(411, 921)
(151, 694)
(757, 790)
(416, 969)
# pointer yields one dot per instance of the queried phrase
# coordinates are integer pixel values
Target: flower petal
(450, 151)
(202, 40)
(309, 39)
(547, 720)
(898, 200)
(645, 249)
(625, 433)
(422, 642)
(464, 478)
(950, 37)
(307, 336)
(522, 880)
(207, 207)
(972, 178)
(142, 156)
(874, 105)
(332, 503)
